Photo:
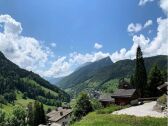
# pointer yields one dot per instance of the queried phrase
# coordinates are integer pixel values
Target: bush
(2, 117)
(96, 104)
(162, 100)
(2, 100)
(109, 109)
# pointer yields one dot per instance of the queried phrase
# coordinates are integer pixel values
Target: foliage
(2, 117)
(110, 109)
(155, 80)
(17, 118)
(30, 114)
(162, 100)
(10, 97)
(83, 106)
(140, 75)
(96, 104)
(38, 114)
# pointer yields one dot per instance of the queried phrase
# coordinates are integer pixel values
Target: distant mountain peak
(107, 59)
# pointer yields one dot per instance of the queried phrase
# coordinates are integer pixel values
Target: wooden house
(59, 117)
(124, 96)
(106, 99)
(163, 88)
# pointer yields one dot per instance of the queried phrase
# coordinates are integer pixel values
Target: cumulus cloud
(164, 6)
(59, 67)
(97, 46)
(148, 23)
(143, 2)
(133, 28)
(63, 66)
(157, 46)
(25, 51)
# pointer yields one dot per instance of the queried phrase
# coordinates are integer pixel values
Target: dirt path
(141, 110)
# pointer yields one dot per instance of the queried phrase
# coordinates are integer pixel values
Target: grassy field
(107, 119)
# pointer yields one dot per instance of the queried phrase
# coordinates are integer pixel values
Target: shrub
(109, 109)
(162, 100)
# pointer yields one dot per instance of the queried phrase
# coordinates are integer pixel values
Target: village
(124, 96)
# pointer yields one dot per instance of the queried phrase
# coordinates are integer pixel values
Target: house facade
(59, 117)
(106, 99)
(124, 96)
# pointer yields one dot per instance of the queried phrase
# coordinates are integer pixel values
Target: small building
(124, 96)
(163, 88)
(106, 99)
(59, 117)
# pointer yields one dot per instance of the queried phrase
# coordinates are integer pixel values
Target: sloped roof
(58, 114)
(126, 93)
(165, 85)
(106, 97)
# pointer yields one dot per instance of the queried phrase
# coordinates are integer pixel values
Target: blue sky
(76, 25)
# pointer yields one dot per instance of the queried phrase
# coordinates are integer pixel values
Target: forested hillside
(31, 85)
(87, 78)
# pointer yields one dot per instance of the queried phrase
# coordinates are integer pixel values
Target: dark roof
(125, 93)
(165, 85)
(58, 114)
(106, 97)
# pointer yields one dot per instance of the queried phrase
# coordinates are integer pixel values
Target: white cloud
(164, 6)
(143, 2)
(53, 44)
(65, 65)
(27, 52)
(59, 67)
(133, 28)
(148, 23)
(157, 46)
(11, 26)
(98, 46)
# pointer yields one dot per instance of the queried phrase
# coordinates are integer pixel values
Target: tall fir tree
(30, 114)
(42, 114)
(39, 115)
(132, 81)
(155, 79)
(140, 77)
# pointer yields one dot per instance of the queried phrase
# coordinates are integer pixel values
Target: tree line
(33, 115)
(147, 83)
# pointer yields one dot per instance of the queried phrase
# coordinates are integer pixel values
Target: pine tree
(30, 114)
(39, 114)
(42, 114)
(132, 81)
(155, 79)
(140, 73)
(36, 113)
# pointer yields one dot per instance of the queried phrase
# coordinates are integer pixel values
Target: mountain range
(100, 74)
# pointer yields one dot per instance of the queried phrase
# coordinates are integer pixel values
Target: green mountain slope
(84, 73)
(102, 76)
(13, 78)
